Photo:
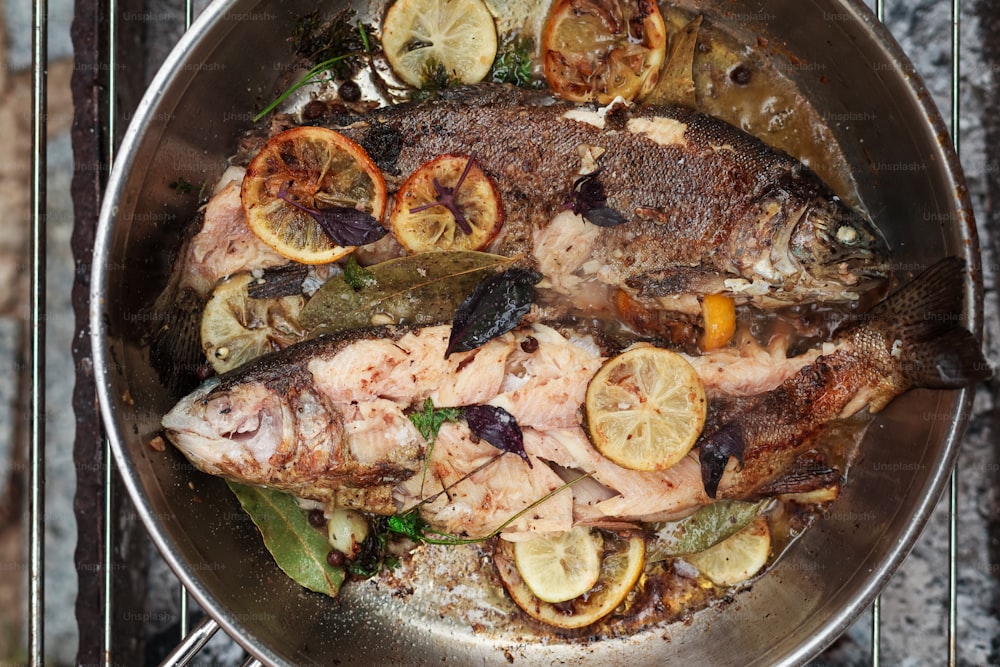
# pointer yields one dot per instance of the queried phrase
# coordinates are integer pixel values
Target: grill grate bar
(36, 445)
(955, 128)
(191, 643)
(953, 569)
(877, 603)
(876, 625)
(109, 560)
(109, 459)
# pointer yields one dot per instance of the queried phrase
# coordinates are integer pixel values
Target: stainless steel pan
(188, 123)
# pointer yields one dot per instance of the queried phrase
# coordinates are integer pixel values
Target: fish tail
(924, 321)
(175, 340)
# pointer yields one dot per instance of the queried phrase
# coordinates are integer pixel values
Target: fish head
(231, 430)
(838, 246)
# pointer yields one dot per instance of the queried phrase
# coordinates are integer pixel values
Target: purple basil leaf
(495, 307)
(588, 193)
(714, 454)
(344, 225)
(497, 427)
(589, 200)
(349, 226)
(604, 217)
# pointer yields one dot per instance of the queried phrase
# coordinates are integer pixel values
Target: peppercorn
(349, 91)
(740, 75)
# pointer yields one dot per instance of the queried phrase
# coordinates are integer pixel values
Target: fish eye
(848, 236)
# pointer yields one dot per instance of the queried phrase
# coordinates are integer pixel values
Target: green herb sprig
(430, 420)
(357, 276)
(314, 75)
(513, 64)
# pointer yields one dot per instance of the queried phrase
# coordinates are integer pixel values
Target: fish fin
(808, 473)
(173, 330)
(675, 85)
(924, 316)
(175, 343)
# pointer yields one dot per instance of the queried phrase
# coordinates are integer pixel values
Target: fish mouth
(865, 268)
(860, 274)
(213, 415)
(837, 244)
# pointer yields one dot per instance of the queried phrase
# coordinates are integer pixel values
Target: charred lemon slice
(645, 408)
(621, 565)
(236, 328)
(596, 50)
(457, 36)
(304, 174)
(738, 557)
(448, 203)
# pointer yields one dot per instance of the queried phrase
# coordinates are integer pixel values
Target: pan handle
(192, 643)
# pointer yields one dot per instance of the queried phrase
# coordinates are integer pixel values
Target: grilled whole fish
(326, 419)
(707, 208)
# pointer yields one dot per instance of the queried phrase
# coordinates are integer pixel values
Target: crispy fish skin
(914, 338)
(709, 208)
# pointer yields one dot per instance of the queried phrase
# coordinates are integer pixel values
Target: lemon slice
(645, 408)
(560, 567)
(621, 566)
(236, 328)
(457, 35)
(448, 203)
(596, 50)
(736, 558)
(308, 169)
(718, 312)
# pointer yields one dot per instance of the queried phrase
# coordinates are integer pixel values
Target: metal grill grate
(100, 600)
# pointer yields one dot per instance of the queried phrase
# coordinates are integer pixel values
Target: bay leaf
(299, 549)
(703, 529)
(420, 289)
